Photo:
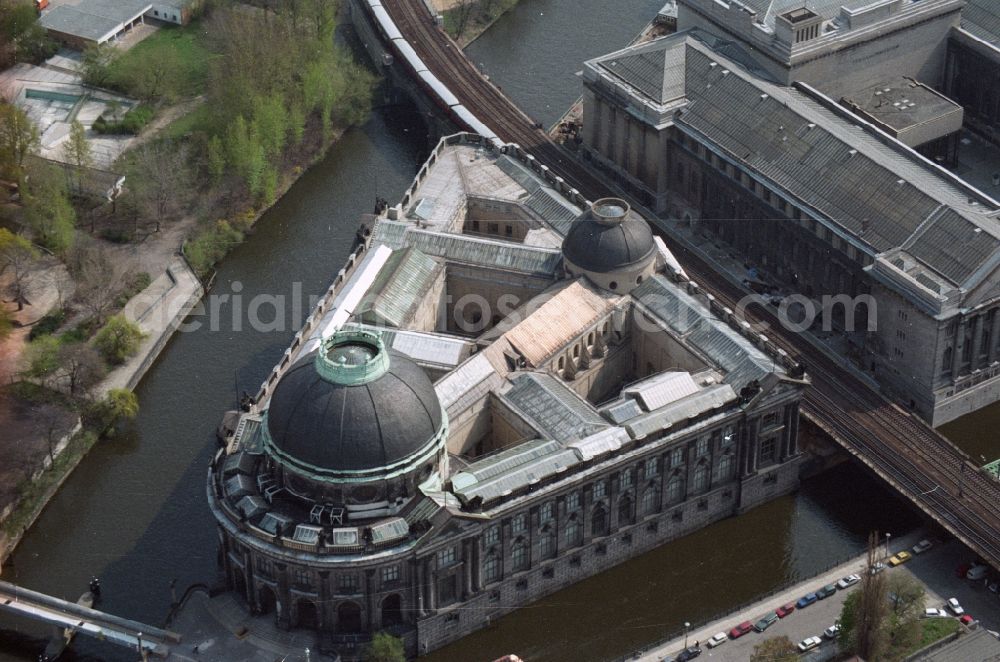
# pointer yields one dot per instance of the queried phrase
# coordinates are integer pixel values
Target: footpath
(158, 310)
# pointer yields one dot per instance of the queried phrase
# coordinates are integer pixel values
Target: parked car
(718, 639)
(826, 591)
(785, 610)
(967, 619)
(740, 630)
(806, 600)
(962, 570)
(809, 643)
(849, 580)
(832, 631)
(876, 568)
(955, 607)
(900, 558)
(765, 622)
(922, 546)
(993, 587)
(932, 612)
(977, 572)
(689, 653)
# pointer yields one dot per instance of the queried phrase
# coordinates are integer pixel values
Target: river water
(134, 512)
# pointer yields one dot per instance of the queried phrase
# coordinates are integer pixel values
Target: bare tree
(869, 630)
(100, 279)
(17, 255)
(158, 174)
(81, 366)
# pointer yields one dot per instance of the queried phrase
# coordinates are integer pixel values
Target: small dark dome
(362, 422)
(608, 237)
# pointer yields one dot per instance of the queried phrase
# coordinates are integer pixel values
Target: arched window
(626, 512)
(562, 362)
(675, 489)
(599, 521)
(519, 555)
(491, 568)
(574, 532)
(946, 363)
(649, 500)
(725, 469)
(699, 482)
(576, 351)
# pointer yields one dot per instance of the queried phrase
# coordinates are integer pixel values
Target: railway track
(902, 449)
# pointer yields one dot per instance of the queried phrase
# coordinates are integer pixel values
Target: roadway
(899, 447)
(934, 570)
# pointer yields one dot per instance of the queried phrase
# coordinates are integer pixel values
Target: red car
(740, 630)
(962, 570)
(967, 619)
(785, 610)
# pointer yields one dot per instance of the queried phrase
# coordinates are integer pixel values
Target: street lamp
(686, 626)
(887, 536)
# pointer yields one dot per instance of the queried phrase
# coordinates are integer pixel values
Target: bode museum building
(506, 390)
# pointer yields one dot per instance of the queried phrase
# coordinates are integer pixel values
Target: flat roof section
(908, 110)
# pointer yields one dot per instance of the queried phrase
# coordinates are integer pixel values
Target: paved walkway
(209, 627)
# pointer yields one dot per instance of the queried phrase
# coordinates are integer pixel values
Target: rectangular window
(347, 584)
(728, 436)
(509, 230)
(518, 523)
(572, 501)
(770, 420)
(701, 449)
(625, 479)
(302, 577)
(446, 557)
(493, 228)
(677, 457)
(547, 546)
(768, 448)
(492, 536)
(545, 512)
(390, 574)
(600, 490)
(651, 468)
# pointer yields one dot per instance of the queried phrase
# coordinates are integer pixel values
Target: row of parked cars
(809, 643)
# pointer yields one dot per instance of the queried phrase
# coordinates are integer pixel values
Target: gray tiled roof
(484, 252)
(953, 245)
(93, 19)
(656, 69)
(871, 191)
(982, 19)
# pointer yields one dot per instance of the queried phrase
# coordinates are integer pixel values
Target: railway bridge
(897, 446)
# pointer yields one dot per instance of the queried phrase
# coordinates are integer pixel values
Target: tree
(118, 339)
(41, 359)
(28, 41)
(386, 648)
(216, 157)
(906, 604)
(775, 649)
(81, 366)
(245, 153)
(17, 255)
(158, 175)
(119, 404)
(18, 138)
(76, 150)
(47, 210)
(863, 617)
(97, 63)
(6, 323)
(100, 278)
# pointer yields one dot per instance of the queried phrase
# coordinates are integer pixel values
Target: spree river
(135, 514)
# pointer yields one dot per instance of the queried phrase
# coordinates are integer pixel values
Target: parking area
(935, 569)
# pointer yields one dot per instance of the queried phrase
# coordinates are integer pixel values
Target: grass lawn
(187, 45)
(933, 629)
(199, 119)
